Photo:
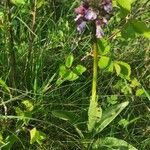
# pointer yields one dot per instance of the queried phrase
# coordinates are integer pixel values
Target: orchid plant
(97, 14)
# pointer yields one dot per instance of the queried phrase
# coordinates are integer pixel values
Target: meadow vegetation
(46, 71)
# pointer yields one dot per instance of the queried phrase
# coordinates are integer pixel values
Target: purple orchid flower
(81, 26)
(85, 13)
(81, 10)
(90, 15)
(108, 7)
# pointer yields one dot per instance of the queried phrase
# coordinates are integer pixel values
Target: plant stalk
(29, 62)
(95, 65)
(93, 110)
(10, 35)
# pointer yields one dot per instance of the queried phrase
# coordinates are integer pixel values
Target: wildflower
(86, 13)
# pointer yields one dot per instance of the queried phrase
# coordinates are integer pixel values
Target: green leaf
(104, 62)
(114, 3)
(2, 143)
(147, 93)
(70, 117)
(112, 99)
(128, 31)
(71, 76)
(79, 69)
(79, 132)
(33, 135)
(117, 68)
(94, 114)
(135, 83)
(1, 19)
(23, 115)
(69, 61)
(109, 115)
(18, 2)
(9, 142)
(1, 15)
(111, 143)
(19, 112)
(28, 104)
(59, 81)
(36, 136)
(40, 3)
(103, 47)
(4, 86)
(125, 4)
(66, 115)
(123, 70)
(1, 138)
(140, 92)
(68, 75)
(63, 72)
(123, 122)
(110, 68)
(141, 28)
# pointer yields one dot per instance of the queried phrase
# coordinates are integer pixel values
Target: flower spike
(100, 14)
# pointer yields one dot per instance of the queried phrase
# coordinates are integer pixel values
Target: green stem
(95, 65)
(93, 111)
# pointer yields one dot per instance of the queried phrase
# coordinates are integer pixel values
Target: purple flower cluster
(86, 13)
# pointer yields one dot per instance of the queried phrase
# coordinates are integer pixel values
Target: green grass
(33, 77)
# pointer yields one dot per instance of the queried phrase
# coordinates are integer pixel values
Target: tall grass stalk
(29, 62)
(10, 43)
